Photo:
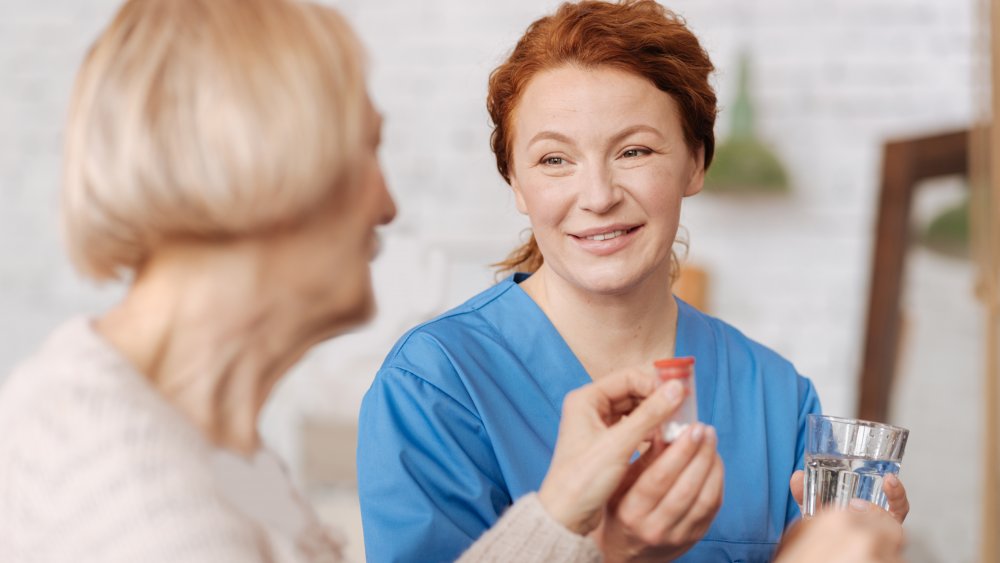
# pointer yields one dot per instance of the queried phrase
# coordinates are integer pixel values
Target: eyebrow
(543, 135)
(629, 131)
(623, 134)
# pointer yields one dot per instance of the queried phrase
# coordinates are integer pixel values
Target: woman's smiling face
(600, 166)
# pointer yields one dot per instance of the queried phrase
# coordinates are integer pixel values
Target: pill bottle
(681, 369)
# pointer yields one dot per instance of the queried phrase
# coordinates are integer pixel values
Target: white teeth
(606, 236)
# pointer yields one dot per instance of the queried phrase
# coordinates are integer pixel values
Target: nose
(599, 193)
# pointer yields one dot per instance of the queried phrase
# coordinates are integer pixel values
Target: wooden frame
(905, 164)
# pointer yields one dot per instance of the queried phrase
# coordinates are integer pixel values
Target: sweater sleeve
(526, 533)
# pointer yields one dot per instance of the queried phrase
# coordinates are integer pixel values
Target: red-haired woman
(603, 119)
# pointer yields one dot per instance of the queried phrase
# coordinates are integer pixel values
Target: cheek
(665, 206)
(547, 206)
(660, 195)
(344, 252)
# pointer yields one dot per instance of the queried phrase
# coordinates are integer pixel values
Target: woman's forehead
(571, 99)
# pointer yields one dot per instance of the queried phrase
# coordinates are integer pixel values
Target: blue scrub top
(462, 420)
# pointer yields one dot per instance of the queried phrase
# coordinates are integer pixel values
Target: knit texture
(97, 467)
(527, 534)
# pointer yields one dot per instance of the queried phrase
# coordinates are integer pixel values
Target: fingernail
(892, 481)
(697, 432)
(858, 505)
(673, 390)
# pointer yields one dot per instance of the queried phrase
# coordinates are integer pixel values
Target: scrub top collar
(694, 338)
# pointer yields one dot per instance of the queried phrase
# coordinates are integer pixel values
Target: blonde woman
(221, 158)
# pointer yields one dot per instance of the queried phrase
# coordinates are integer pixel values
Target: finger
(624, 406)
(629, 383)
(853, 536)
(656, 480)
(895, 493)
(681, 497)
(891, 535)
(635, 469)
(790, 536)
(608, 395)
(695, 523)
(884, 530)
(796, 485)
(821, 538)
(628, 432)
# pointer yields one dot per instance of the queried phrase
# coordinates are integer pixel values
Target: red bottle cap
(675, 362)
(674, 368)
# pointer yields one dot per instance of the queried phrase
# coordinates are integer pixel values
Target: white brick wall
(832, 80)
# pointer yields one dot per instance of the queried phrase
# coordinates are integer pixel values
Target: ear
(697, 180)
(518, 196)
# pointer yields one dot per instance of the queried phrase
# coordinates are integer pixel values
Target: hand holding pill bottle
(681, 369)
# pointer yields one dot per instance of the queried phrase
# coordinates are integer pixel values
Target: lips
(606, 236)
(603, 241)
(605, 233)
(374, 245)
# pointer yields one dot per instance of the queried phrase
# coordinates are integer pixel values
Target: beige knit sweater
(95, 466)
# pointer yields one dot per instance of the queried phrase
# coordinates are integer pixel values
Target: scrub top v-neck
(462, 418)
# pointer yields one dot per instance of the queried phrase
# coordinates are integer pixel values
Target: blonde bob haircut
(207, 120)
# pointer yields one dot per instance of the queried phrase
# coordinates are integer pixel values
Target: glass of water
(848, 458)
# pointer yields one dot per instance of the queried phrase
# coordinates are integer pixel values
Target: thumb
(795, 484)
(632, 430)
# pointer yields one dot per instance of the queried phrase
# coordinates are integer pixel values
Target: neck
(210, 330)
(609, 331)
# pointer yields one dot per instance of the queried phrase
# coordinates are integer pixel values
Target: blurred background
(813, 89)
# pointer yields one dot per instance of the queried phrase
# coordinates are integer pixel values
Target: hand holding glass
(847, 458)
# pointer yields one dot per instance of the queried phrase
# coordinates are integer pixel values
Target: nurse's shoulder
(736, 352)
(436, 350)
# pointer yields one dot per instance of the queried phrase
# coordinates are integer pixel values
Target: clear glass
(681, 369)
(847, 458)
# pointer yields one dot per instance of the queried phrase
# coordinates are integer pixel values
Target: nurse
(603, 122)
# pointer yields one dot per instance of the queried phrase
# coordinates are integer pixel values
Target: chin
(359, 312)
(611, 278)
(346, 312)
(607, 282)
(646, 270)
